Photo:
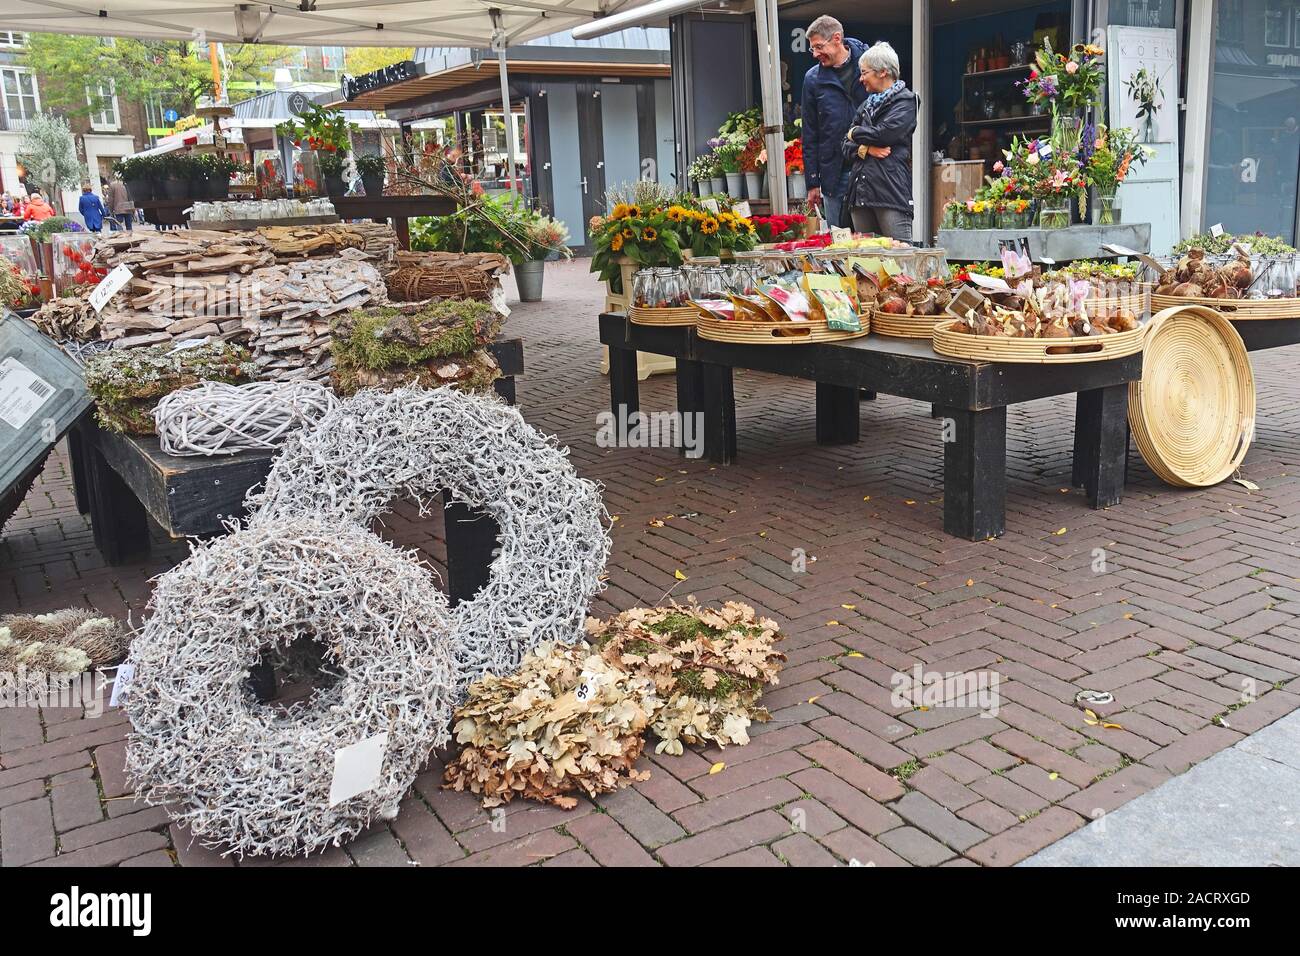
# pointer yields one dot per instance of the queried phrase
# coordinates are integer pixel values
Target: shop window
(103, 104)
(1142, 13)
(11, 38)
(1277, 24)
(21, 99)
(1254, 148)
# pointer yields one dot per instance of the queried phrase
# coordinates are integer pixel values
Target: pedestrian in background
(120, 206)
(831, 95)
(91, 208)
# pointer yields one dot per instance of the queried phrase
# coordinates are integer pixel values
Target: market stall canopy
(309, 22)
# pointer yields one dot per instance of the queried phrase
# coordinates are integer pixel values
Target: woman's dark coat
(883, 183)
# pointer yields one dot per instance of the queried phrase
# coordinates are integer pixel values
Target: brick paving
(1196, 599)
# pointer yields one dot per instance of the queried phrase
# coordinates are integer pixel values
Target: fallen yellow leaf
(1091, 723)
(679, 576)
(716, 768)
(655, 523)
(849, 607)
(813, 699)
(1059, 531)
(1090, 713)
(908, 501)
(923, 707)
(613, 517)
(762, 534)
(1053, 775)
(970, 582)
(1128, 617)
(853, 654)
(866, 497)
(832, 623)
(661, 478)
(1112, 727)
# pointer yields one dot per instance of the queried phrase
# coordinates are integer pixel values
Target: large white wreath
(378, 447)
(256, 777)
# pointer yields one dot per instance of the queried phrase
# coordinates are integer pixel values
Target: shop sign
(354, 86)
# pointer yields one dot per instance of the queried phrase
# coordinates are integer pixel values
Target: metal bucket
(529, 276)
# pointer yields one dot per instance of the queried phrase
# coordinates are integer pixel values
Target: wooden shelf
(1009, 121)
(1005, 71)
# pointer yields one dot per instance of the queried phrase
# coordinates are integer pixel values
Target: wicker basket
(905, 326)
(754, 332)
(641, 315)
(997, 348)
(1235, 309)
(1193, 412)
(418, 283)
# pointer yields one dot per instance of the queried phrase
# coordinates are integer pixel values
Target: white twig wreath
(377, 447)
(256, 778)
(213, 418)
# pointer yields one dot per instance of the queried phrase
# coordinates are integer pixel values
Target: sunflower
(648, 234)
(629, 234)
(732, 224)
(634, 212)
(1093, 50)
(676, 213)
(620, 211)
(709, 226)
(616, 243)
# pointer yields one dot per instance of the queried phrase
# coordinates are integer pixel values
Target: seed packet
(788, 303)
(838, 309)
(715, 308)
(752, 308)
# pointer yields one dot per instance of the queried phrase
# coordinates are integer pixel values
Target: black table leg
(719, 407)
(117, 519)
(690, 406)
(505, 387)
(1085, 413)
(471, 549)
(838, 417)
(866, 395)
(1101, 443)
(77, 461)
(624, 391)
(975, 473)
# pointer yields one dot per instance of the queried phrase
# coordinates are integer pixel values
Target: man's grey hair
(825, 27)
(881, 56)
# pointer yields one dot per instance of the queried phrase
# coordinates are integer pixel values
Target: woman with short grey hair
(879, 143)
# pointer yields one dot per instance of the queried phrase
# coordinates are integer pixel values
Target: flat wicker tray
(1192, 413)
(905, 326)
(753, 332)
(992, 348)
(641, 315)
(1235, 309)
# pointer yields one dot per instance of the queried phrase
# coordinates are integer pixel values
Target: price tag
(1216, 229)
(588, 684)
(966, 301)
(108, 287)
(1047, 260)
(710, 204)
(741, 209)
(357, 768)
(1045, 151)
(121, 682)
(22, 392)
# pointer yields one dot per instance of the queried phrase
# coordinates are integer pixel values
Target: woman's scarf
(876, 101)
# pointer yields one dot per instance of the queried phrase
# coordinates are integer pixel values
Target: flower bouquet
(1069, 84)
(1112, 155)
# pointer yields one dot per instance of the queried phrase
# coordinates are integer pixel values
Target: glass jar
(643, 288)
(1054, 214)
(17, 251)
(1280, 281)
(954, 215)
(74, 253)
(1105, 206)
(932, 264)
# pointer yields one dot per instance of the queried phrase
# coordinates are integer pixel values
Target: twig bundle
(214, 418)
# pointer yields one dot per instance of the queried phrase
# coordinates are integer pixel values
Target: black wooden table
(972, 395)
(1267, 333)
(122, 481)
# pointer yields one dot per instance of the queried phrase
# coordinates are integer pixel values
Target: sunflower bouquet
(656, 236)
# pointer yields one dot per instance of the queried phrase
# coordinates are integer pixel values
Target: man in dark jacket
(831, 95)
(879, 147)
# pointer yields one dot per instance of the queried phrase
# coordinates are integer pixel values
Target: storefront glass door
(1254, 148)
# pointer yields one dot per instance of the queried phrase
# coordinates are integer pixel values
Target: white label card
(990, 283)
(1047, 260)
(357, 768)
(108, 287)
(710, 204)
(22, 392)
(741, 209)
(121, 683)
(1216, 229)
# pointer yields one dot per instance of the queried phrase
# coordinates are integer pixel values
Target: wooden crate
(996, 348)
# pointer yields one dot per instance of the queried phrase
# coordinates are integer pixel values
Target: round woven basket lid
(1193, 412)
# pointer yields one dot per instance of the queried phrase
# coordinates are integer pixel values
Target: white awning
(310, 22)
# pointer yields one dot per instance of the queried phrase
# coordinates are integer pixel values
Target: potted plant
(325, 130)
(136, 173)
(331, 163)
(796, 186)
(546, 237)
(1109, 160)
(371, 170)
(174, 170)
(1069, 84)
(729, 159)
(701, 171)
(753, 164)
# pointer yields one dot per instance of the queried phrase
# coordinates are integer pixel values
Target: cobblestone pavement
(1197, 602)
